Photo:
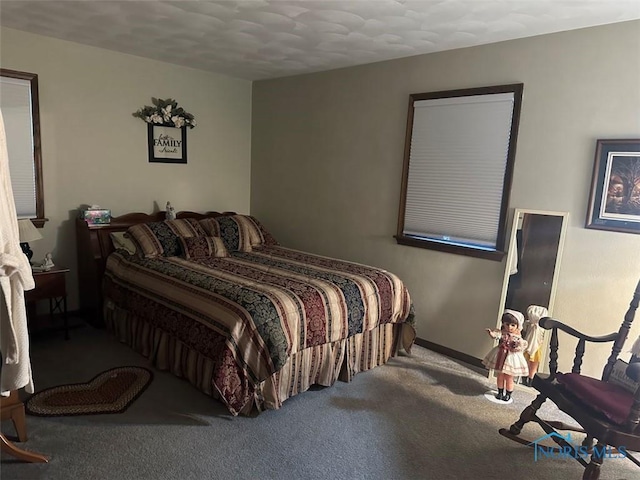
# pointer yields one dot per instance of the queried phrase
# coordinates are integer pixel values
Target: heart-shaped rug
(109, 392)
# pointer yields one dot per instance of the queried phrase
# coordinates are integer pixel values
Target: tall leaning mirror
(19, 104)
(533, 264)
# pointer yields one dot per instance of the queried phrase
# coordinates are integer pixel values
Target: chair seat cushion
(611, 400)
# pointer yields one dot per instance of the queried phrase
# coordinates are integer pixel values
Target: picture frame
(614, 201)
(167, 144)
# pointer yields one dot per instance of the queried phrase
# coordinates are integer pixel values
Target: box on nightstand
(97, 217)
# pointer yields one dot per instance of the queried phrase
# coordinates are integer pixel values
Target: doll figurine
(506, 357)
(48, 264)
(534, 338)
(171, 213)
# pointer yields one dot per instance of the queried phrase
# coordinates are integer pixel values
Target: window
(458, 165)
(20, 112)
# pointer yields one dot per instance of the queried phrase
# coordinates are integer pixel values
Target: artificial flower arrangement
(166, 113)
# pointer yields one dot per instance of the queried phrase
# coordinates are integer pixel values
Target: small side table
(50, 285)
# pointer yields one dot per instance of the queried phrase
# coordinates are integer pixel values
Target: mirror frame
(32, 78)
(554, 285)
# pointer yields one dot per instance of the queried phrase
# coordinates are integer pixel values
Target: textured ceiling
(258, 39)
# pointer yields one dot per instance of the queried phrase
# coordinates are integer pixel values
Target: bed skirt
(318, 365)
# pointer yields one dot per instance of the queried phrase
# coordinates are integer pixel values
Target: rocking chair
(607, 412)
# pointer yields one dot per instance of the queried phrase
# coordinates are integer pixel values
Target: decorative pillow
(263, 236)
(211, 226)
(186, 227)
(161, 238)
(121, 242)
(235, 238)
(619, 377)
(202, 247)
(239, 232)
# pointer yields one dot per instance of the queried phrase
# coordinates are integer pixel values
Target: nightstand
(50, 285)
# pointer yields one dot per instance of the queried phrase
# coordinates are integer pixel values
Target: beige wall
(95, 152)
(327, 163)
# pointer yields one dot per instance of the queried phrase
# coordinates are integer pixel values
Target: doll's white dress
(507, 356)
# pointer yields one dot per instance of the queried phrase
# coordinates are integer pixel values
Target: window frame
(498, 252)
(32, 78)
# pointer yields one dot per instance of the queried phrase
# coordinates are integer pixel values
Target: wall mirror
(533, 263)
(19, 104)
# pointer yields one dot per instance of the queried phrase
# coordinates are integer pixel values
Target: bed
(215, 299)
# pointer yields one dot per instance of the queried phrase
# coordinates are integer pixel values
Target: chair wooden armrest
(548, 323)
(617, 338)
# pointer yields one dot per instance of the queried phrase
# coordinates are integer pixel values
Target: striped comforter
(251, 312)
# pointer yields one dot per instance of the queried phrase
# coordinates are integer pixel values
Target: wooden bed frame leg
(9, 448)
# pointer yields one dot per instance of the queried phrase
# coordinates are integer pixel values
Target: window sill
(468, 251)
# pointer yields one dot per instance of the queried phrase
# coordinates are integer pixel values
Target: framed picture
(167, 144)
(614, 203)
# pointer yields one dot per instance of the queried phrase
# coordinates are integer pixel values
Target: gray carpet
(418, 417)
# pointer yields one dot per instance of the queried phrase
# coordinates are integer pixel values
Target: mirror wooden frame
(32, 78)
(510, 258)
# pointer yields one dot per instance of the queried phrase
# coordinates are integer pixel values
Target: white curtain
(15, 278)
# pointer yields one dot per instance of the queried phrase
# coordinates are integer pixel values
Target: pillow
(194, 248)
(233, 233)
(121, 242)
(264, 237)
(186, 227)
(619, 377)
(161, 238)
(238, 232)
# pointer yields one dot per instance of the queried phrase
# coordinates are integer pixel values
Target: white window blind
(15, 104)
(457, 163)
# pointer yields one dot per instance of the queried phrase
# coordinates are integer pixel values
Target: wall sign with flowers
(167, 130)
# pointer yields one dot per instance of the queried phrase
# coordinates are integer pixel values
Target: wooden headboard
(94, 245)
